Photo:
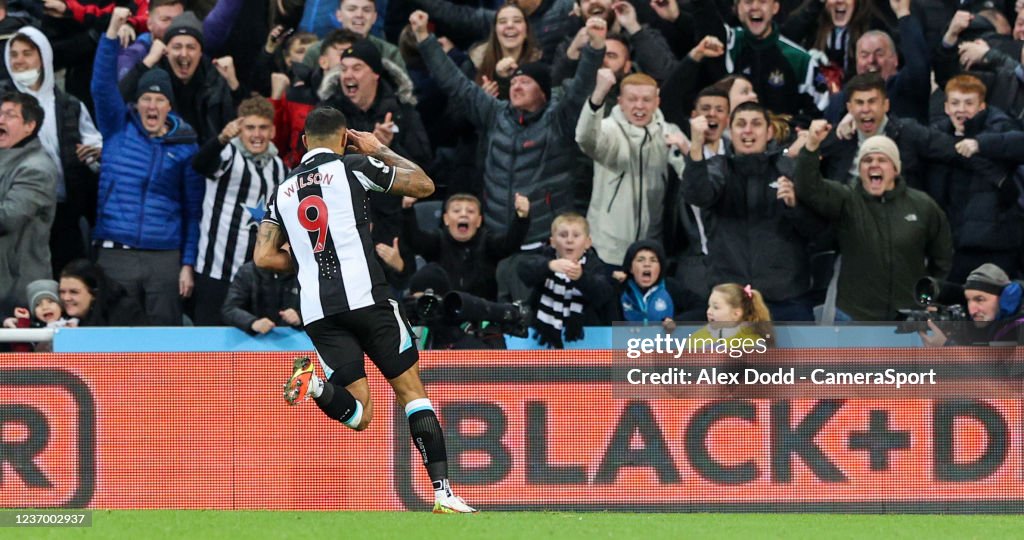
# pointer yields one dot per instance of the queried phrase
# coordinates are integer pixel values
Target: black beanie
(367, 52)
(155, 80)
(540, 73)
(186, 24)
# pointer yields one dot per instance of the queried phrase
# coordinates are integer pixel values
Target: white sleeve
(90, 135)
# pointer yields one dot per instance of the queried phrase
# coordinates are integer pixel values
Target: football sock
(427, 436)
(338, 403)
(442, 489)
(316, 387)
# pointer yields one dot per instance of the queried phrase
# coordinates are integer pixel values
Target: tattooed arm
(409, 177)
(269, 253)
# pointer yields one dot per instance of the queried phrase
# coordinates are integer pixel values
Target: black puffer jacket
(256, 293)
(533, 154)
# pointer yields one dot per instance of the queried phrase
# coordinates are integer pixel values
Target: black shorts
(381, 330)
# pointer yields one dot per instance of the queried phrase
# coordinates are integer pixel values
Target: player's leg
(399, 364)
(361, 391)
(342, 361)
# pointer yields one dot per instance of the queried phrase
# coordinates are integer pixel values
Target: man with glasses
(28, 180)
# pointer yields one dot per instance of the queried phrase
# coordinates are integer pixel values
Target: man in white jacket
(632, 150)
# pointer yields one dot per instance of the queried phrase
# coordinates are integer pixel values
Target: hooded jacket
(149, 195)
(888, 243)
(27, 207)
(8, 27)
(395, 96)
(630, 177)
(66, 123)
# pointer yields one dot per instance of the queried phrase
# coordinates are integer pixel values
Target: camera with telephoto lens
(941, 303)
(459, 308)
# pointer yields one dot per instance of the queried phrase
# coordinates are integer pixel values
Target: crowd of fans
(597, 160)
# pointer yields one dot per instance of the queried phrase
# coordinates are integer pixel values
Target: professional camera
(481, 316)
(941, 303)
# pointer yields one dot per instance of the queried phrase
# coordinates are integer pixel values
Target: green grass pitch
(224, 525)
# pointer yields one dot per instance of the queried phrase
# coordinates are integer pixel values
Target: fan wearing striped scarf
(572, 287)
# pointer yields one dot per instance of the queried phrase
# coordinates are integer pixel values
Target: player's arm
(269, 253)
(409, 179)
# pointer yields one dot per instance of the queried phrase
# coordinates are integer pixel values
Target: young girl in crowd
(736, 313)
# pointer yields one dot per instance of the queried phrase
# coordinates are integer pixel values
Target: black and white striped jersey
(234, 204)
(323, 210)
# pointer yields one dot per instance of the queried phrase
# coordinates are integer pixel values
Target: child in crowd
(466, 253)
(736, 313)
(572, 287)
(46, 312)
(647, 295)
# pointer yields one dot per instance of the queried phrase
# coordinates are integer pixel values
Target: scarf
(259, 159)
(560, 308)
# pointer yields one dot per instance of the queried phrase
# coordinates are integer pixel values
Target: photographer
(459, 320)
(994, 306)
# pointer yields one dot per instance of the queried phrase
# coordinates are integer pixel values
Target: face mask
(26, 78)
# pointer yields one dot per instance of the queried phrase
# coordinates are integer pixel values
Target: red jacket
(88, 11)
(289, 122)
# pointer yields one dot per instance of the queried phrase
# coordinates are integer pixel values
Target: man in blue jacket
(150, 199)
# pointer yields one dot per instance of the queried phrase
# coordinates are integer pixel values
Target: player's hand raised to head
(362, 142)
